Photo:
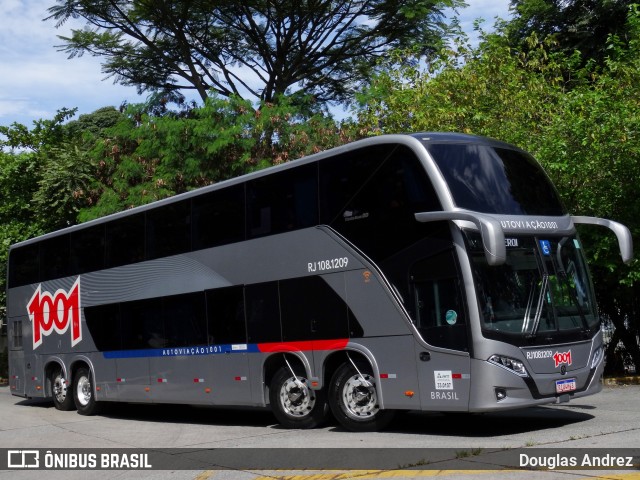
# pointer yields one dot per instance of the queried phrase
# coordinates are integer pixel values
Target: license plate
(566, 385)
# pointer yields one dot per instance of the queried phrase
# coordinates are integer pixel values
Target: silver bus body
(402, 272)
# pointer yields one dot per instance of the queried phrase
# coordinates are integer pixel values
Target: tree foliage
(583, 25)
(260, 48)
(148, 157)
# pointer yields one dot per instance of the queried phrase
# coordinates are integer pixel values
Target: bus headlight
(511, 364)
(597, 356)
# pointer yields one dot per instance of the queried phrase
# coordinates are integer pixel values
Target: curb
(629, 380)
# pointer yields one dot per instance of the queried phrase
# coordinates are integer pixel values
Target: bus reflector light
(409, 393)
(207, 390)
(147, 389)
(38, 387)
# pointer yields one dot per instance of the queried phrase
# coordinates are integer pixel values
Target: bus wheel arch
(354, 396)
(292, 399)
(83, 388)
(59, 387)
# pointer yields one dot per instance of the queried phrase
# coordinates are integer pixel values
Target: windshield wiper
(536, 319)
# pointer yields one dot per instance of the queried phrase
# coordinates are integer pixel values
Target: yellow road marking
(383, 474)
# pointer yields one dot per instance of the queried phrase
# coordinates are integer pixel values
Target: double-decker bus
(433, 271)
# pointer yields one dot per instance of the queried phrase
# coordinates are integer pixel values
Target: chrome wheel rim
(296, 398)
(360, 397)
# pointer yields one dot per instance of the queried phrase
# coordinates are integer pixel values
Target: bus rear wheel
(294, 403)
(62, 398)
(353, 398)
(83, 392)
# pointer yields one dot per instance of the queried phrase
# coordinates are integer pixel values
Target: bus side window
(168, 230)
(439, 312)
(225, 316)
(283, 202)
(184, 320)
(263, 312)
(15, 334)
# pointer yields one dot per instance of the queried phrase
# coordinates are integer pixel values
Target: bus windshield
(541, 295)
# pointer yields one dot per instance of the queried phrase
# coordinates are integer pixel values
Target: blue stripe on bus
(183, 351)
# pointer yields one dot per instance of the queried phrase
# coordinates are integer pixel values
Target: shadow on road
(484, 425)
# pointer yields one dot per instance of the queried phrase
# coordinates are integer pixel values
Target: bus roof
(413, 140)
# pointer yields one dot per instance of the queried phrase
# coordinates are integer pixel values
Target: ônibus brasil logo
(57, 311)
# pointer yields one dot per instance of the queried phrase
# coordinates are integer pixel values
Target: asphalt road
(607, 421)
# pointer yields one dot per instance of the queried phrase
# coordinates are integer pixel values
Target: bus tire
(354, 399)
(294, 403)
(62, 396)
(83, 392)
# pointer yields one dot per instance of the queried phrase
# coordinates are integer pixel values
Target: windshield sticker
(545, 245)
(576, 243)
(451, 317)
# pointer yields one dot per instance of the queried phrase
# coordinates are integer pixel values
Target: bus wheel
(83, 392)
(294, 403)
(354, 399)
(62, 397)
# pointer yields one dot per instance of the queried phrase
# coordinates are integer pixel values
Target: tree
(147, 157)
(583, 25)
(258, 49)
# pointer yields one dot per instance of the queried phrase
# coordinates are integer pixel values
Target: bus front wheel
(62, 398)
(294, 403)
(83, 392)
(353, 398)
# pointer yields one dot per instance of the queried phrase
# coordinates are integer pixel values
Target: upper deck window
(487, 179)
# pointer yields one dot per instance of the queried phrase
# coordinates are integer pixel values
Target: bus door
(16, 357)
(441, 319)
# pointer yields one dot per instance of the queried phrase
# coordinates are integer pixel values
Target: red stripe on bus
(303, 345)
(456, 375)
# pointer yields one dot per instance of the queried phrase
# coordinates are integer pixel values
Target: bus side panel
(373, 305)
(105, 377)
(132, 378)
(231, 379)
(180, 379)
(445, 379)
(16, 373)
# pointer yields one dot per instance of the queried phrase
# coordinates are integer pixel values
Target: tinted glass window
(225, 316)
(24, 265)
(103, 322)
(88, 249)
(218, 218)
(54, 258)
(142, 325)
(311, 309)
(263, 312)
(125, 241)
(168, 230)
(496, 180)
(184, 320)
(439, 312)
(283, 201)
(371, 198)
